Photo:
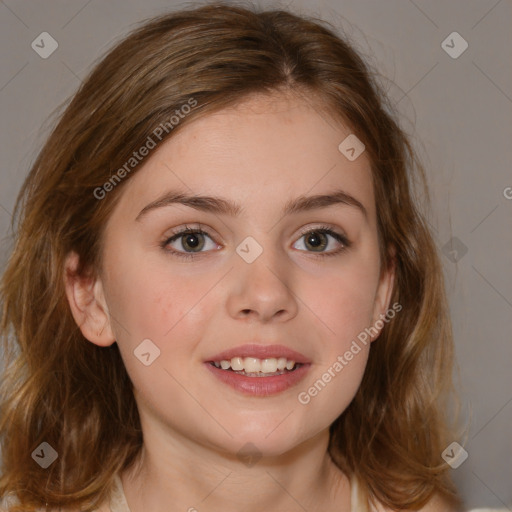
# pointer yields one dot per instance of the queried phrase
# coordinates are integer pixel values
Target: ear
(383, 296)
(88, 305)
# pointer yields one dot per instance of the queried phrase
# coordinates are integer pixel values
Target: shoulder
(436, 504)
(9, 501)
(439, 505)
(489, 510)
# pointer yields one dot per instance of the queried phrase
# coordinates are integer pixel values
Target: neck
(191, 477)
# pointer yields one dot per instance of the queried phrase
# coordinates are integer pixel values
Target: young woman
(223, 295)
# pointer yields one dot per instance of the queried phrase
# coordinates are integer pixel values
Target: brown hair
(60, 389)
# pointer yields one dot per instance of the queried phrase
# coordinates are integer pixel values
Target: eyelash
(320, 229)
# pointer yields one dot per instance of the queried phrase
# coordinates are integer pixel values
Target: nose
(262, 290)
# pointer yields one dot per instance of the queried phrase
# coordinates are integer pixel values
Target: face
(257, 286)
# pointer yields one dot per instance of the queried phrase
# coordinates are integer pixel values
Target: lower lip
(260, 386)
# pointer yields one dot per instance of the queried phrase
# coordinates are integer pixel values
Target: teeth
(254, 365)
(269, 365)
(237, 364)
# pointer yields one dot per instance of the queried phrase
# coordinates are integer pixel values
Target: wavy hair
(61, 389)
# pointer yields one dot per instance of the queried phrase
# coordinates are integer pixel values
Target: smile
(254, 367)
(259, 370)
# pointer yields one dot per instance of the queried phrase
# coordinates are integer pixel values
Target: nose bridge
(262, 280)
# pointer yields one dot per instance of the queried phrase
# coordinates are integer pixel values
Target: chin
(259, 440)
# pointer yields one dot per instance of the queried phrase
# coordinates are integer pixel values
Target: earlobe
(88, 305)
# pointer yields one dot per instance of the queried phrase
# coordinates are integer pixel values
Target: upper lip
(260, 352)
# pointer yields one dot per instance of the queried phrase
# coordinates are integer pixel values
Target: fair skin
(261, 155)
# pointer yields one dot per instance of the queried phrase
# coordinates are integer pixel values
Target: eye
(317, 240)
(189, 242)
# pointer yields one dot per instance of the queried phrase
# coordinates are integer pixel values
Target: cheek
(332, 387)
(169, 312)
(169, 308)
(344, 302)
(147, 301)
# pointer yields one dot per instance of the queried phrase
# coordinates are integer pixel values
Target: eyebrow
(219, 205)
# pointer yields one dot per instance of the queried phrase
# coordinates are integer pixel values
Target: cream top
(118, 500)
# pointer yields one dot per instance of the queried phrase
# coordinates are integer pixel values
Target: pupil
(314, 240)
(192, 240)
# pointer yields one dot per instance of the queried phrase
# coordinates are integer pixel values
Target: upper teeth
(253, 365)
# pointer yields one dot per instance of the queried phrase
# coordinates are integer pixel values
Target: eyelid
(340, 237)
(324, 227)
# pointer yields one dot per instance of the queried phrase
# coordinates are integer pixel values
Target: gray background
(458, 112)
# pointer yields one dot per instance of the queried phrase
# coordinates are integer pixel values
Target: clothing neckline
(118, 501)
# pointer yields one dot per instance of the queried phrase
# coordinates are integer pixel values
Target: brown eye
(188, 243)
(194, 241)
(317, 240)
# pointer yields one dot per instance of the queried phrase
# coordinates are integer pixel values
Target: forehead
(268, 149)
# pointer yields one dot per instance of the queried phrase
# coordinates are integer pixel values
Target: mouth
(254, 367)
(259, 370)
